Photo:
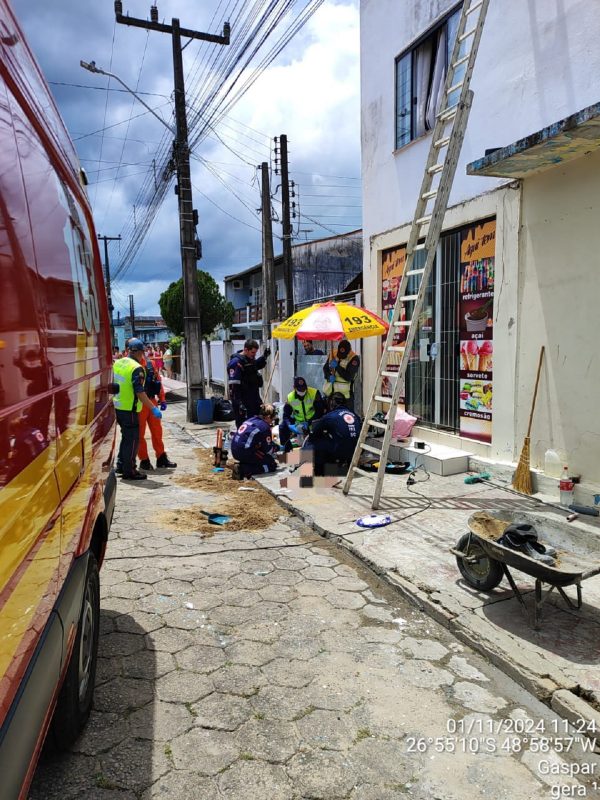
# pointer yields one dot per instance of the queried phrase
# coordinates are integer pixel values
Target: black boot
(145, 464)
(163, 462)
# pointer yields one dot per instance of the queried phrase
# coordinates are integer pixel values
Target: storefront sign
(476, 291)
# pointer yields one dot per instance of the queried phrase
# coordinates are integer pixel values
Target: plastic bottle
(566, 488)
(552, 464)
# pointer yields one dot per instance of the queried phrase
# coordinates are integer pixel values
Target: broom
(522, 477)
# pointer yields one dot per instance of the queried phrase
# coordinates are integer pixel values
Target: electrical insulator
(195, 216)
(118, 7)
(153, 14)
(226, 30)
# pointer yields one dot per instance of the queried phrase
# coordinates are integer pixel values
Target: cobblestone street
(268, 665)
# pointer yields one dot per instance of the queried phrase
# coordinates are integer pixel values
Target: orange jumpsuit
(145, 417)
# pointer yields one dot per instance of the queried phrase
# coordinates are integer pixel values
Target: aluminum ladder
(444, 151)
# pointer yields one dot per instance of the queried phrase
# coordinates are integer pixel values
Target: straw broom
(522, 477)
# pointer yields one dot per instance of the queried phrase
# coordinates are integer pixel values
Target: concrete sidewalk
(558, 663)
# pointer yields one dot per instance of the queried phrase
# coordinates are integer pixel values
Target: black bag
(223, 410)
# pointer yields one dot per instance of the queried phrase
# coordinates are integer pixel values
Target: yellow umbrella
(331, 322)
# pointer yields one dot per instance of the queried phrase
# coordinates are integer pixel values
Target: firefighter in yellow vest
(130, 377)
(304, 404)
(340, 371)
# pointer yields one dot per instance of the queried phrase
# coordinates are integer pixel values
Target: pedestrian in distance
(252, 445)
(245, 382)
(168, 362)
(156, 393)
(340, 371)
(310, 350)
(333, 438)
(304, 405)
(130, 377)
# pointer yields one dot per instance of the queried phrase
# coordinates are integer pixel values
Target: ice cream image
(469, 355)
(486, 350)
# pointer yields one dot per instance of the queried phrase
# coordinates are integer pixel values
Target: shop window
(420, 80)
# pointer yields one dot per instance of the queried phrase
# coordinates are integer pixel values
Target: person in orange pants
(156, 392)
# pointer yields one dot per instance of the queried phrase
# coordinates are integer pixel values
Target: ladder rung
(466, 35)
(441, 143)
(396, 348)
(473, 7)
(429, 195)
(424, 220)
(435, 168)
(406, 298)
(418, 247)
(461, 61)
(375, 422)
(370, 449)
(415, 271)
(382, 398)
(455, 87)
(405, 323)
(448, 113)
(371, 475)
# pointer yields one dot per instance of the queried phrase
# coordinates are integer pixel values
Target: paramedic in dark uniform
(130, 376)
(333, 438)
(245, 382)
(304, 404)
(252, 445)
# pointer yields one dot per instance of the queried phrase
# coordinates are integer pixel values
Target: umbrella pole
(268, 386)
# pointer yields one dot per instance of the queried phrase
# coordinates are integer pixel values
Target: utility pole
(132, 315)
(187, 218)
(286, 225)
(106, 240)
(268, 259)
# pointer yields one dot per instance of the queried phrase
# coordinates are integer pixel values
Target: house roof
(278, 259)
(562, 141)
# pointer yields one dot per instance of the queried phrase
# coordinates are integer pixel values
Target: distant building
(321, 268)
(151, 330)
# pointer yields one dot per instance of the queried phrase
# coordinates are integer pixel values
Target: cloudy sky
(310, 92)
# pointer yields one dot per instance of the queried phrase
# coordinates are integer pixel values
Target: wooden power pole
(106, 240)
(187, 225)
(268, 259)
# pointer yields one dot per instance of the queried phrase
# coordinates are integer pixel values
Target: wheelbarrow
(483, 562)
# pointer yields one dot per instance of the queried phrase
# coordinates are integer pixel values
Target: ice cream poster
(476, 291)
(392, 267)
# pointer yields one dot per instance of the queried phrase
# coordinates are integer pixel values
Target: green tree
(214, 309)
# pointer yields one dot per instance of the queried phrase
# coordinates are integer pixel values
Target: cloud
(311, 93)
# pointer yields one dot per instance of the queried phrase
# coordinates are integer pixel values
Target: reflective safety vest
(340, 384)
(303, 407)
(126, 399)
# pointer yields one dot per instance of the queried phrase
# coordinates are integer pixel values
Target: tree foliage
(214, 309)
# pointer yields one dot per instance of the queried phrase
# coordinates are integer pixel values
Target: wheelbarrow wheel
(483, 573)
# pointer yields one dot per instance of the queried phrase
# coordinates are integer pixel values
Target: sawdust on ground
(249, 510)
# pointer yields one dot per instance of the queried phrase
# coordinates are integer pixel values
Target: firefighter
(245, 382)
(304, 404)
(340, 371)
(252, 445)
(131, 398)
(156, 392)
(333, 438)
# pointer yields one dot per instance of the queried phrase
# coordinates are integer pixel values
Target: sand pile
(249, 510)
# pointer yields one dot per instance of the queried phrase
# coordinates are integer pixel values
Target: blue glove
(163, 406)
(294, 429)
(305, 429)
(333, 363)
(156, 413)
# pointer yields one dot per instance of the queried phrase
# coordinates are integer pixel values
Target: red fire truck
(57, 431)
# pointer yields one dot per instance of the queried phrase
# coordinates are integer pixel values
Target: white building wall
(538, 62)
(559, 295)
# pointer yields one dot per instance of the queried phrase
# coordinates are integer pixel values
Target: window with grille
(420, 80)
